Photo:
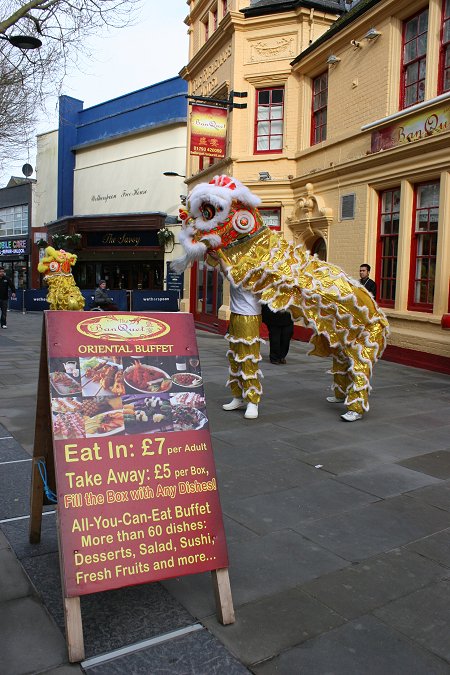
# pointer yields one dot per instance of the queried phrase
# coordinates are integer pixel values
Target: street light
(22, 41)
(173, 173)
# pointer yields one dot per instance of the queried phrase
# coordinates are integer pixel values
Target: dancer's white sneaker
(334, 399)
(234, 404)
(252, 411)
(351, 416)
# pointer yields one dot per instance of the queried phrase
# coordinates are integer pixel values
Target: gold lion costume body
(63, 293)
(347, 323)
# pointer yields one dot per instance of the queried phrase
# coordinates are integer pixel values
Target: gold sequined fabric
(244, 357)
(346, 321)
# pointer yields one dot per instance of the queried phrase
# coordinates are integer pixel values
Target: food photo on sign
(102, 376)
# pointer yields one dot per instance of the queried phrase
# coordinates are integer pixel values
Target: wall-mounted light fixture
(372, 34)
(264, 175)
(332, 60)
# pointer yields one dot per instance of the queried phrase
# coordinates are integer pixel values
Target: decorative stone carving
(271, 49)
(311, 218)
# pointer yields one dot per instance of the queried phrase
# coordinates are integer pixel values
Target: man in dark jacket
(5, 286)
(102, 299)
(365, 281)
(281, 329)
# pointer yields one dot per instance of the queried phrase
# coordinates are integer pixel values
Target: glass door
(208, 293)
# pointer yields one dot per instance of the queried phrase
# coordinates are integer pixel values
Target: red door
(206, 294)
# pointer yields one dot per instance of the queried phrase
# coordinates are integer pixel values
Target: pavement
(338, 535)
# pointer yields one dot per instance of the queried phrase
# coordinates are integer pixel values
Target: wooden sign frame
(43, 451)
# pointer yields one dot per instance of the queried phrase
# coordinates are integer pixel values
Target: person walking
(102, 299)
(6, 285)
(281, 330)
(366, 281)
(244, 348)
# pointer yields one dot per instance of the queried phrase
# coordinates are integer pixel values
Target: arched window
(319, 248)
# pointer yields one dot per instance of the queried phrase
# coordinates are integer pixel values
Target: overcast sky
(154, 49)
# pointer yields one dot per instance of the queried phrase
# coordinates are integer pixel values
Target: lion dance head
(63, 293)
(218, 214)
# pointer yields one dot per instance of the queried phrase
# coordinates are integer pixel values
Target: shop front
(121, 249)
(14, 252)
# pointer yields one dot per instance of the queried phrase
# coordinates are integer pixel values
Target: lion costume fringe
(63, 293)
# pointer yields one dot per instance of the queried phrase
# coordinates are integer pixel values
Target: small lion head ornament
(218, 214)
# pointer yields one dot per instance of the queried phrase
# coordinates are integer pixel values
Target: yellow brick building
(345, 138)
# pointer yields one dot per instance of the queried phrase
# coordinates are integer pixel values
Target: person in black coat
(6, 285)
(281, 330)
(102, 299)
(365, 280)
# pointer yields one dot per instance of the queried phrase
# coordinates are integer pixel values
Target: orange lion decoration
(63, 293)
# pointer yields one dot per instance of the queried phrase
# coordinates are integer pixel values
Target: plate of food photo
(146, 379)
(68, 425)
(185, 418)
(187, 380)
(189, 398)
(64, 384)
(104, 424)
(146, 414)
(67, 405)
(100, 377)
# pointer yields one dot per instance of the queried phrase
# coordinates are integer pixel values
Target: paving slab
(14, 490)
(11, 450)
(288, 508)
(14, 583)
(362, 646)
(388, 480)
(435, 547)
(436, 495)
(359, 589)
(274, 624)
(424, 616)
(376, 528)
(31, 643)
(433, 464)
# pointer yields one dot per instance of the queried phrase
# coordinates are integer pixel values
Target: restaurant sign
(137, 491)
(208, 131)
(129, 239)
(13, 246)
(415, 128)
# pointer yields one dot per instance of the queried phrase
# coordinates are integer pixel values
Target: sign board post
(122, 426)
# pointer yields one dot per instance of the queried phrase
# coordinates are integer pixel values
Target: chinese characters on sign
(135, 475)
(208, 131)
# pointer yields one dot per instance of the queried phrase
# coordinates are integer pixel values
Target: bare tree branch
(27, 79)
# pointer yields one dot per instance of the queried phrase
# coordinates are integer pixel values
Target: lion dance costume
(63, 293)
(347, 323)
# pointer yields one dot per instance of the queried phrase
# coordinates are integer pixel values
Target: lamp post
(24, 42)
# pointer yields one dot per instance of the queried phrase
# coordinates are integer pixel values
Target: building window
(414, 59)
(14, 220)
(424, 247)
(348, 204)
(214, 18)
(319, 109)
(224, 7)
(388, 227)
(269, 120)
(444, 63)
(206, 28)
(271, 218)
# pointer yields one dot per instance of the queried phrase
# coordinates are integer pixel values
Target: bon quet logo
(123, 328)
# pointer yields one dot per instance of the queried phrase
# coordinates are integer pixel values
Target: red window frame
(444, 56)
(414, 58)
(271, 120)
(423, 252)
(319, 108)
(387, 246)
(214, 19)
(224, 7)
(206, 25)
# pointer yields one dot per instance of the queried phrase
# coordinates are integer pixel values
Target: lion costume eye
(54, 266)
(243, 221)
(208, 211)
